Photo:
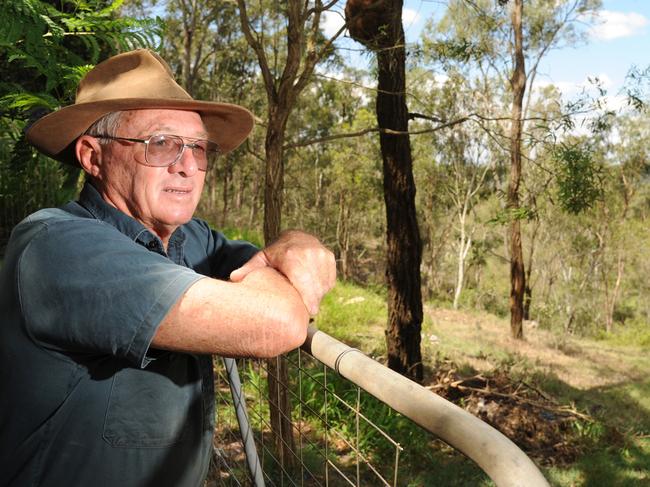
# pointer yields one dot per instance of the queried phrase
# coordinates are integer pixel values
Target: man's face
(161, 198)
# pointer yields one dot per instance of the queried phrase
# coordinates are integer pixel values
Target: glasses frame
(183, 145)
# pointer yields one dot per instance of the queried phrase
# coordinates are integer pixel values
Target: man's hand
(308, 265)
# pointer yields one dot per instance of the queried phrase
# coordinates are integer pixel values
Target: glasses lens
(163, 149)
(203, 150)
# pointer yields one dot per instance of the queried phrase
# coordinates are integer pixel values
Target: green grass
(251, 236)
(635, 334)
(335, 420)
(615, 466)
(615, 445)
(354, 315)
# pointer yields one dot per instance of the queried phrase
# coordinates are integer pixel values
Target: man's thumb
(257, 262)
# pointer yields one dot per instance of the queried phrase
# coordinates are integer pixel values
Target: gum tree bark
(378, 25)
(283, 85)
(518, 85)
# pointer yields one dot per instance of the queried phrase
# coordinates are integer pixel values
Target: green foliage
(452, 50)
(44, 51)
(634, 334)
(508, 215)
(579, 178)
(588, 431)
(637, 88)
(341, 395)
(56, 45)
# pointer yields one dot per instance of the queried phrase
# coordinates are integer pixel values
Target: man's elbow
(290, 331)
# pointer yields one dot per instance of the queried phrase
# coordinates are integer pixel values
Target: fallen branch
(561, 410)
(514, 396)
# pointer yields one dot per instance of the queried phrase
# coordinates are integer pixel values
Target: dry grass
(479, 339)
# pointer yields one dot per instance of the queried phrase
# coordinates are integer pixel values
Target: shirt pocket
(154, 406)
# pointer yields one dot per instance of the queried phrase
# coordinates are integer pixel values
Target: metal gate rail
(499, 457)
(496, 455)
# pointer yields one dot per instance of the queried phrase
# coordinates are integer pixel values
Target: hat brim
(228, 125)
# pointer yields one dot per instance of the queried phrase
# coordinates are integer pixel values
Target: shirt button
(151, 245)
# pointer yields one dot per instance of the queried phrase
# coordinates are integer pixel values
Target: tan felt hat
(137, 79)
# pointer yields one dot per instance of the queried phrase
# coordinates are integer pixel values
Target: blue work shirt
(84, 400)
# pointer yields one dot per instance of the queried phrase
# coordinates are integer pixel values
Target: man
(111, 305)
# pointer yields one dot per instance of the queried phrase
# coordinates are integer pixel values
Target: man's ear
(89, 154)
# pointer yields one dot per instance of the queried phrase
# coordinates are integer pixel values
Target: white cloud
(571, 89)
(332, 22)
(410, 17)
(614, 25)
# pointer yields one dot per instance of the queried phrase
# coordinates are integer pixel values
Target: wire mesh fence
(335, 443)
(352, 421)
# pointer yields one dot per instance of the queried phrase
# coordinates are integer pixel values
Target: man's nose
(186, 165)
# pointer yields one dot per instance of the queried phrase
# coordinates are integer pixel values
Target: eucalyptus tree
(510, 38)
(546, 126)
(378, 26)
(288, 42)
(618, 215)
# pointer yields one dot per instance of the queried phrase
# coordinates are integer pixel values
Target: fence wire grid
(336, 443)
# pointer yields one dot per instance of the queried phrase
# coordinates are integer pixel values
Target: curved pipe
(499, 457)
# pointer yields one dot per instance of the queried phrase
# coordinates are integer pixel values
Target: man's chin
(176, 220)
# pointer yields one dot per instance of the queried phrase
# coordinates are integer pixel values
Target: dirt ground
(542, 426)
(531, 419)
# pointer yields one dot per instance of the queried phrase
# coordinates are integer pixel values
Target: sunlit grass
(355, 316)
(616, 445)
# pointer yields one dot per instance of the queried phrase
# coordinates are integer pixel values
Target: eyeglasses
(163, 150)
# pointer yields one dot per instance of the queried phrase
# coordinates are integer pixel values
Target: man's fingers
(257, 262)
(316, 279)
(308, 265)
(309, 295)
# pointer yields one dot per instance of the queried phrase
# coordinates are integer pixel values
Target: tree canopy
(583, 195)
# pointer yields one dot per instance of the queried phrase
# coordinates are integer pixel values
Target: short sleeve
(87, 288)
(210, 253)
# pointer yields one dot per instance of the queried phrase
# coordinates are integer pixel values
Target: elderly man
(112, 305)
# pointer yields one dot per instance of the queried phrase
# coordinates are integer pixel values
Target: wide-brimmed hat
(137, 79)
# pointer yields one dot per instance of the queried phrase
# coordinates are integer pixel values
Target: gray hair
(106, 125)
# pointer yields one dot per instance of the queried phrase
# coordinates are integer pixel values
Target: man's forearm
(261, 316)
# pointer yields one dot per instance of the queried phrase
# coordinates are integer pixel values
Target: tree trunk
(518, 83)
(343, 236)
(225, 195)
(612, 298)
(528, 290)
(302, 32)
(404, 247)
(278, 374)
(464, 244)
(189, 19)
(274, 176)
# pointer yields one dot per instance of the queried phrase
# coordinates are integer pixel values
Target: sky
(619, 40)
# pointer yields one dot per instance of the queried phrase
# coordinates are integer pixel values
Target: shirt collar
(92, 201)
